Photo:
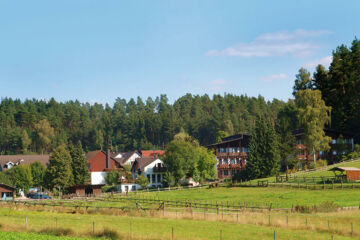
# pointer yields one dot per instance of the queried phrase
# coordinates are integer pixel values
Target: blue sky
(96, 51)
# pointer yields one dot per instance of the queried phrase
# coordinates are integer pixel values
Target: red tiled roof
(151, 153)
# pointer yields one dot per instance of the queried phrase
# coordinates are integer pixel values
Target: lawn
(32, 236)
(257, 196)
(161, 228)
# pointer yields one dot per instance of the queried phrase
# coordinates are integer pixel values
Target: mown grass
(256, 196)
(32, 236)
(161, 228)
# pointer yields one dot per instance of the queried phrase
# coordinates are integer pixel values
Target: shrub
(321, 163)
(57, 231)
(327, 207)
(142, 181)
(108, 234)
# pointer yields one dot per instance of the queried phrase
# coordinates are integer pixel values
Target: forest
(39, 126)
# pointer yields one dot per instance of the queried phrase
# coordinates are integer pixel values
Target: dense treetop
(40, 126)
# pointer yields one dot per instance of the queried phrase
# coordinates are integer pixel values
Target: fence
(295, 222)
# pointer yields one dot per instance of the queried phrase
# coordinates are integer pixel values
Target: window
(159, 178)
(226, 172)
(222, 150)
(153, 178)
(148, 177)
(230, 150)
(133, 188)
(233, 161)
(233, 172)
(333, 141)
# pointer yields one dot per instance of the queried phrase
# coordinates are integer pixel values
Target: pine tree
(264, 156)
(59, 172)
(79, 165)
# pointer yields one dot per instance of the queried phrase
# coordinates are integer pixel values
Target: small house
(7, 192)
(346, 173)
(86, 190)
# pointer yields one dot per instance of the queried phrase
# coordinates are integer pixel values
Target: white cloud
(274, 44)
(275, 77)
(218, 84)
(323, 61)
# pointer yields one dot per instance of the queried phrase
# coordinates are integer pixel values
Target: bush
(242, 175)
(311, 165)
(321, 163)
(109, 188)
(142, 181)
(57, 231)
(108, 234)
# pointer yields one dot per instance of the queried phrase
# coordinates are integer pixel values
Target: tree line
(38, 126)
(67, 167)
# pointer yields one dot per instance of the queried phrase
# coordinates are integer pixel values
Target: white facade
(98, 178)
(155, 178)
(128, 187)
(132, 159)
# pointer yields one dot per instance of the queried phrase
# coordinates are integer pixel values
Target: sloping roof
(125, 156)
(151, 153)
(91, 154)
(344, 169)
(7, 186)
(229, 139)
(143, 162)
(24, 159)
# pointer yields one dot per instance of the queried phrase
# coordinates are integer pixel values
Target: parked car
(39, 196)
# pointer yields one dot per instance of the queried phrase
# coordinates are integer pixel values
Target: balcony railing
(159, 169)
(232, 154)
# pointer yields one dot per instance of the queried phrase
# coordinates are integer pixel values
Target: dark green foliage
(286, 122)
(79, 165)
(142, 181)
(340, 87)
(112, 177)
(264, 156)
(185, 158)
(128, 125)
(21, 177)
(59, 171)
(38, 173)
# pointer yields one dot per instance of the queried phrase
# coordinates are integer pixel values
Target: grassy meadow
(247, 226)
(260, 196)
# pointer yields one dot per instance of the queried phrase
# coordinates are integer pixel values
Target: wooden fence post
(287, 221)
(93, 227)
(220, 234)
(352, 229)
(269, 221)
(26, 223)
(172, 233)
(130, 230)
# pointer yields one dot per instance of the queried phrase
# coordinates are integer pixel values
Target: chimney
(108, 163)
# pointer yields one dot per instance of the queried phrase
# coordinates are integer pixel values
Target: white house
(126, 158)
(150, 167)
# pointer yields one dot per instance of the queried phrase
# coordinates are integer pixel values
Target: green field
(256, 196)
(32, 236)
(161, 228)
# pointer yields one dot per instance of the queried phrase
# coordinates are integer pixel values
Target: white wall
(98, 177)
(148, 170)
(132, 159)
(122, 187)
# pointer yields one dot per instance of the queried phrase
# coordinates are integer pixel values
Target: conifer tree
(59, 171)
(79, 164)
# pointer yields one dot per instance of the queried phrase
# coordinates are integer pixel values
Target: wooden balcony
(233, 154)
(159, 169)
(235, 166)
